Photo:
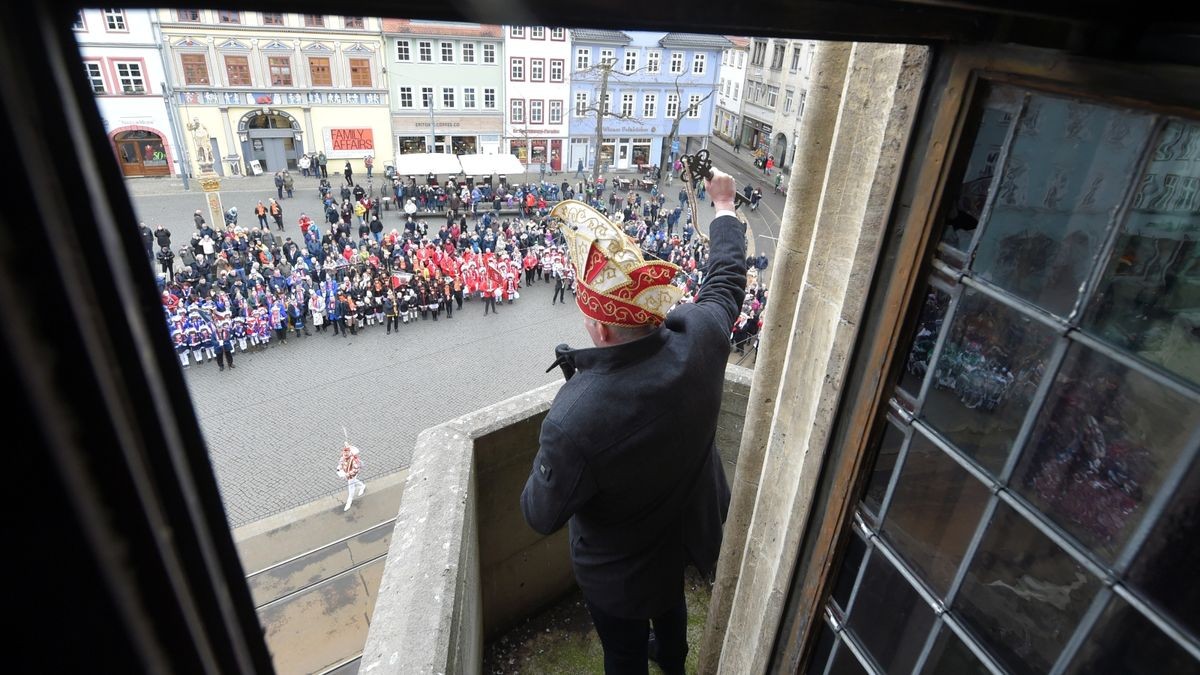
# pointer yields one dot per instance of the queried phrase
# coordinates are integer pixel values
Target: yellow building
(255, 91)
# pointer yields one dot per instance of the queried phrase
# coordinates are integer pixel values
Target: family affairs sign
(349, 142)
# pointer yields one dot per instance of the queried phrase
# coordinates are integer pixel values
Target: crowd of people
(236, 288)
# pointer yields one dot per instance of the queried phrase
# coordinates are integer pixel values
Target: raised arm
(724, 284)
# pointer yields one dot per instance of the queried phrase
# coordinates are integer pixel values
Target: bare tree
(680, 113)
(606, 69)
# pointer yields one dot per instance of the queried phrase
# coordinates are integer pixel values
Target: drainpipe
(168, 89)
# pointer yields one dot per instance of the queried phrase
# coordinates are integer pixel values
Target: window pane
(949, 656)
(1065, 176)
(1165, 569)
(890, 619)
(929, 326)
(856, 548)
(1124, 641)
(934, 513)
(1101, 448)
(998, 109)
(1149, 299)
(885, 463)
(820, 657)
(1022, 594)
(845, 663)
(985, 378)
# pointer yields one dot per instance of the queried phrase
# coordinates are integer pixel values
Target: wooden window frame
(938, 137)
(312, 78)
(362, 22)
(183, 69)
(234, 15)
(180, 19)
(271, 74)
(229, 75)
(369, 71)
(309, 20)
(264, 16)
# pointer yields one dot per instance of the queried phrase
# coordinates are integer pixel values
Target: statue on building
(202, 140)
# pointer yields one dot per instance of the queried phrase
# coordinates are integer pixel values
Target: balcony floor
(561, 640)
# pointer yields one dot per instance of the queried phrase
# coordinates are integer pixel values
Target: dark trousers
(625, 640)
(342, 323)
(489, 301)
(222, 355)
(560, 292)
(336, 323)
(458, 299)
(529, 277)
(449, 304)
(393, 320)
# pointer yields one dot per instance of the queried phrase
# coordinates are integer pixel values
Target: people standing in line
(276, 212)
(289, 184)
(304, 163)
(348, 467)
(261, 212)
(323, 163)
(368, 162)
(279, 184)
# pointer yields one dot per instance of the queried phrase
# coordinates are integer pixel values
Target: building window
(517, 32)
(537, 70)
(195, 69)
(79, 23)
(314, 21)
(583, 58)
(760, 53)
(426, 97)
(676, 63)
(518, 111)
(672, 107)
(535, 112)
(468, 52)
(448, 97)
(608, 102)
(129, 74)
(360, 72)
(227, 16)
(402, 51)
(272, 19)
(237, 70)
(558, 34)
(95, 76)
(772, 96)
(654, 62)
(556, 70)
(114, 19)
(469, 97)
(741, 59)
(489, 98)
(354, 22)
(777, 57)
(650, 105)
(406, 97)
(796, 57)
(693, 106)
(699, 62)
(736, 87)
(724, 57)
(447, 52)
(489, 53)
(187, 15)
(608, 57)
(556, 112)
(537, 33)
(281, 70)
(516, 68)
(631, 60)
(627, 105)
(581, 103)
(425, 51)
(1041, 418)
(788, 99)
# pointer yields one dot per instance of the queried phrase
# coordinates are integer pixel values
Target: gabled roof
(410, 27)
(695, 41)
(615, 37)
(738, 42)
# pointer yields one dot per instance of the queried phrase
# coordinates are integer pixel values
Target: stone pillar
(212, 197)
(791, 255)
(879, 102)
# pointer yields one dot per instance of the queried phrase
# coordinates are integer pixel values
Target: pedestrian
(289, 184)
(166, 260)
(223, 339)
(737, 146)
(198, 218)
(279, 183)
(304, 163)
(261, 212)
(368, 162)
(322, 162)
(349, 174)
(770, 165)
(348, 467)
(277, 213)
(645, 495)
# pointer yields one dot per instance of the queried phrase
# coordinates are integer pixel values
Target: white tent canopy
(485, 165)
(422, 163)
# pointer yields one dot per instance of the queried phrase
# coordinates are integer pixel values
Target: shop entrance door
(623, 154)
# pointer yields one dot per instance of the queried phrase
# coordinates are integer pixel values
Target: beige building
(776, 86)
(257, 90)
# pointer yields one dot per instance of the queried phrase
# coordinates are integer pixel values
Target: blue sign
(675, 145)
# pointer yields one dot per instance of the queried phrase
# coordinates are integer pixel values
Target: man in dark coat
(627, 453)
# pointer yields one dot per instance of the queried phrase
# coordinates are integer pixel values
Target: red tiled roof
(410, 27)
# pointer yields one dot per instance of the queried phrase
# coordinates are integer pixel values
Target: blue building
(653, 78)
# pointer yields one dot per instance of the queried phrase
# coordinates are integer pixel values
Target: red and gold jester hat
(615, 285)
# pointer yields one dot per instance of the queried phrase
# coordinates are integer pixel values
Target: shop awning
(486, 165)
(423, 163)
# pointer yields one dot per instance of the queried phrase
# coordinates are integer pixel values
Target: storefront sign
(356, 142)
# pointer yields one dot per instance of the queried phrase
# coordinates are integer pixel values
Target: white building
(125, 69)
(730, 86)
(537, 87)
